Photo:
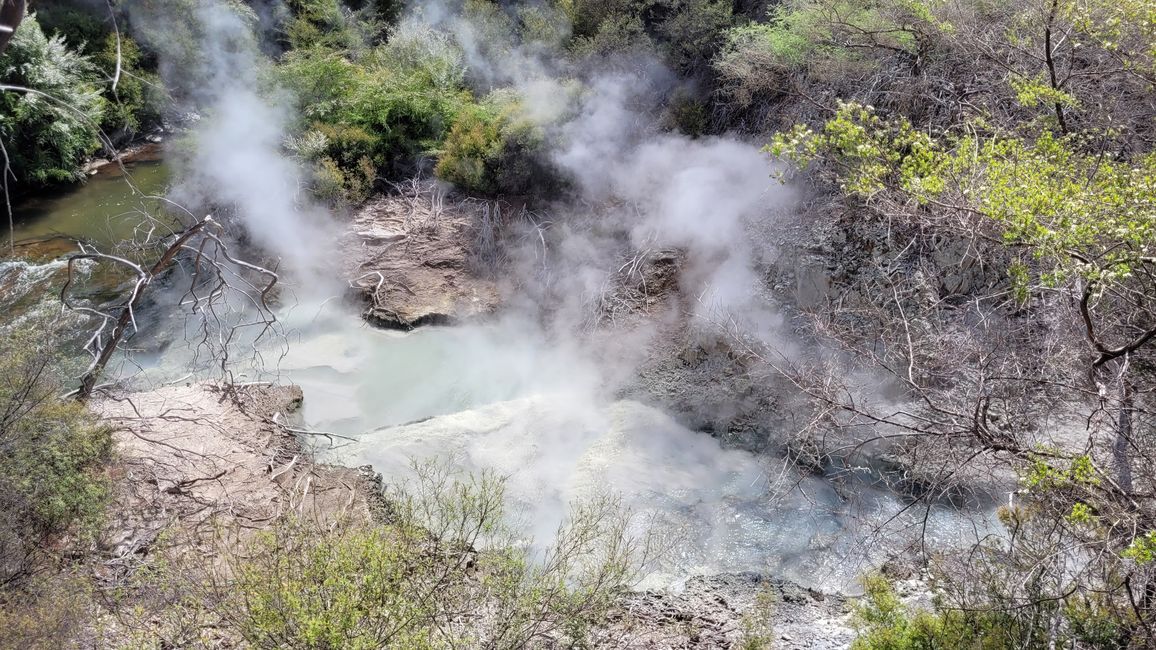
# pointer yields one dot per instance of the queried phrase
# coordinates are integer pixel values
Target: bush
(326, 23)
(51, 451)
(385, 110)
(81, 26)
(445, 571)
(135, 103)
(49, 132)
(49, 614)
(886, 624)
(694, 31)
(492, 149)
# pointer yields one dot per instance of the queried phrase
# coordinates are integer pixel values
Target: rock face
(410, 257)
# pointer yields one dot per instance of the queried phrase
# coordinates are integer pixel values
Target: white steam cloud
(534, 394)
(210, 55)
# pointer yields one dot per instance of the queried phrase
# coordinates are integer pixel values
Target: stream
(504, 396)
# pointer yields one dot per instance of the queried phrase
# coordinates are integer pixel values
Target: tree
(1029, 353)
(11, 14)
(50, 108)
(224, 296)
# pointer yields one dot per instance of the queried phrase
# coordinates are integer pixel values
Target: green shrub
(83, 27)
(616, 34)
(687, 114)
(50, 131)
(469, 155)
(51, 451)
(694, 30)
(492, 149)
(445, 571)
(322, 82)
(134, 104)
(50, 613)
(886, 624)
(327, 24)
(390, 106)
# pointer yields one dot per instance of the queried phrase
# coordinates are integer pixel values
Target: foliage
(379, 113)
(1013, 129)
(885, 623)
(51, 612)
(470, 149)
(79, 25)
(756, 631)
(50, 452)
(693, 31)
(1085, 213)
(827, 38)
(134, 102)
(328, 24)
(493, 149)
(616, 35)
(446, 571)
(49, 130)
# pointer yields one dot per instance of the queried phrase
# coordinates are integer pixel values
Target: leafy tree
(50, 107)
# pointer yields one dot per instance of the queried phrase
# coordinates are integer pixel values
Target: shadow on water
(104, 209)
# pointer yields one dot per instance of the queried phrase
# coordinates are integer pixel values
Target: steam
(534, 394)
(210, 54)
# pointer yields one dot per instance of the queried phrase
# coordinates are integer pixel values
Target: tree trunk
(1120, 455)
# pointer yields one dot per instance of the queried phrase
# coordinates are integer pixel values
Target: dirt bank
(410, 257)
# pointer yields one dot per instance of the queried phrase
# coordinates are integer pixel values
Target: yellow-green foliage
(48, 614)
(135, 102)
(491, 148)
(885, 623)
(446, 571)
(471, 150)
(826, 38)
(51, 451)
(1142, 549)
(1082, 211)
(390, 105)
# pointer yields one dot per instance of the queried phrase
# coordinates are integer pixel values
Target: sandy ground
(193, 461)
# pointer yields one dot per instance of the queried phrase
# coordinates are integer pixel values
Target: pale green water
(502, 396)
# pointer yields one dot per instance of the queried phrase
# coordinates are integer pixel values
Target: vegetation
(50, 115)
(73, 89)
(1055, 188)
(445, 571)
(994, 167)
(51, 453)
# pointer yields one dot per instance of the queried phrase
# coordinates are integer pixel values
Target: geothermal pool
(504, 396)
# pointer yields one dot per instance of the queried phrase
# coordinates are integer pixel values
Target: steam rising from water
(534, 400)
(212, 57)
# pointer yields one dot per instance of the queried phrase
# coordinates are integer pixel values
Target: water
(104, 209)
(504, 396)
